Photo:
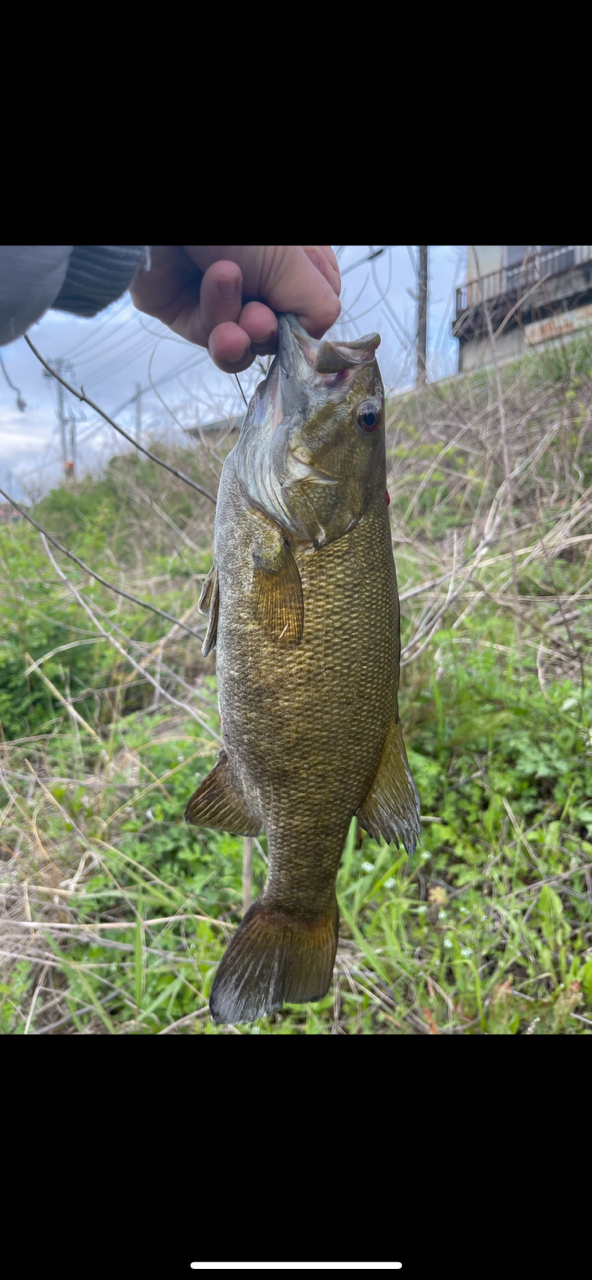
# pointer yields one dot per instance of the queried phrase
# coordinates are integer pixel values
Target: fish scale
(307, 637)
(308, 754)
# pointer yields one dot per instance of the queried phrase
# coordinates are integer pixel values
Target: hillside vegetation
(115, 913)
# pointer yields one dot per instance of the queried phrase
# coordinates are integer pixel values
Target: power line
(135, 335)
(180, 368)
(115, 364)
(88, 337)
(80, 395)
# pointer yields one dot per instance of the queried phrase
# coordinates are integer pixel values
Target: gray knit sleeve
(82, 279)
(31, 276)
(97, 275)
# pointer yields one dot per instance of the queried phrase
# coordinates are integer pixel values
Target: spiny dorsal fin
(217, 804)
(391, 808)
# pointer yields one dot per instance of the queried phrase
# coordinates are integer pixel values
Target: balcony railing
(520, 277)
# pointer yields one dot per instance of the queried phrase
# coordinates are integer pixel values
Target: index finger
(304, 280)
(323, 258)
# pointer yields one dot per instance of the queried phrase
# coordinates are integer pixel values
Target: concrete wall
(491, 258)
(477, 355)
(560, 325)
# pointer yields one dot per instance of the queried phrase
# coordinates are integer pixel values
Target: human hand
(227, 297)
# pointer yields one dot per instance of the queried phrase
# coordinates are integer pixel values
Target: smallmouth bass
(304, 614)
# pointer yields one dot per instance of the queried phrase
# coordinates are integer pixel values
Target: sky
(120, 349)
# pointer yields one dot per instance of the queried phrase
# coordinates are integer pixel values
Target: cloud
(113, 353)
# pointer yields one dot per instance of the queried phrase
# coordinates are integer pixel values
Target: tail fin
(274, 957)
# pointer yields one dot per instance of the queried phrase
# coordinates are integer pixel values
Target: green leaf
(551, 910)
(585, 977)
(139, 958)
(481, 726)
(168, 993)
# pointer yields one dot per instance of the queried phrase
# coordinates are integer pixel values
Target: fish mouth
(296, 350)
(309, 374)
(327, 363)
(293, 420)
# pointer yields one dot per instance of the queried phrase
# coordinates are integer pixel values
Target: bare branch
(116, 645)
(87, 569)
(84, 399)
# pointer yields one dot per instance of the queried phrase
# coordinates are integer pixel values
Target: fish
(304, 616)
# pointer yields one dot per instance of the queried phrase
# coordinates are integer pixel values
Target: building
(216, 431)
(534, 294)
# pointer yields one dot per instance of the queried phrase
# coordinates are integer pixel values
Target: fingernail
(236, 359)
(227, 289)
(270, 339)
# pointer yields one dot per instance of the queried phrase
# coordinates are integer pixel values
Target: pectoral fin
(277, 589)
(206, 591)
(208, 603)
(391, 808)
(217, 804)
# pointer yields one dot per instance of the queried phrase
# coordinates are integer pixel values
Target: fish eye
(368, 416)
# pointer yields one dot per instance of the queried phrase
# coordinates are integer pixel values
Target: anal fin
(391, 808)
(217, 804)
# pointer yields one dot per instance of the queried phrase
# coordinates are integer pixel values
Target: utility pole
(138, 411)
(62, 366)
(73, 446)
(422, 316)
(58, 365)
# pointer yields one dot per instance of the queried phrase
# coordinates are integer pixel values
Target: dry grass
(114, 914)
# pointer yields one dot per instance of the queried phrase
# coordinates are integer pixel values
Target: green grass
(116, 912)
(454, 938)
